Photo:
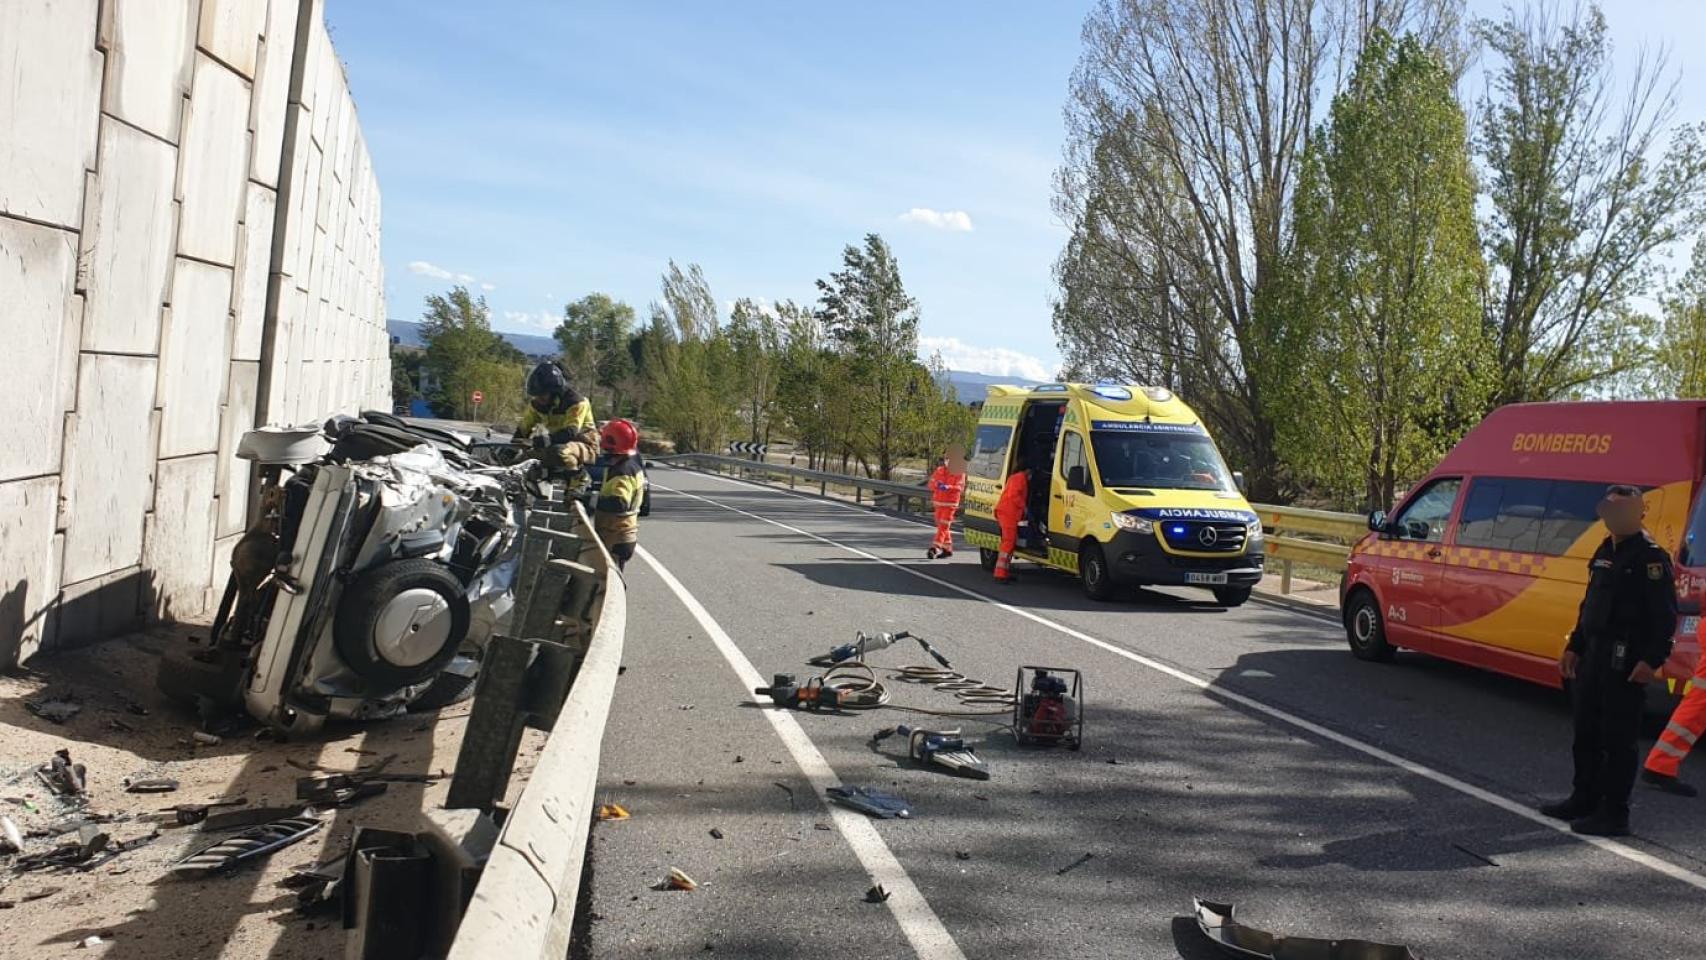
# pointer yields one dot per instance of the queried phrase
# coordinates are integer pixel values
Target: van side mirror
(1238, 480)
(1078, 479)
(1377, 521)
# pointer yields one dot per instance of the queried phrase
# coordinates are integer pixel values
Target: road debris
(962, 854)
(613, 811)
(14, 839)
(206, 739)
(1489, 861)
(91, 840)
(155, 785)
(867, 800)
(54, 710)
(94, 940)
(822, 826)
(248, 845)
(119, 726)
(787, 789)
(64, 778)
(877, 894)
(716, 834)
(677, 881)
(1074, 865)
(1217, 923)
(339, 789)
(189, 814)
(317, 886)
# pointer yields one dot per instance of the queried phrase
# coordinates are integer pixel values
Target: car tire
(1365, 629)
(400, 623)
(987, 558)
(1093, 573)
(447, 690)
(1231, 596)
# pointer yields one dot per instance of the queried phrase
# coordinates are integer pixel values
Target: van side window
(1432, 507)
(1528, 515)
(1072, 454)
(989, 451)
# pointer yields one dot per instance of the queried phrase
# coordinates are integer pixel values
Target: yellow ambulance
(1127, 489)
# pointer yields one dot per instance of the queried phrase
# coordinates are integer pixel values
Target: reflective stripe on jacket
(616, 514)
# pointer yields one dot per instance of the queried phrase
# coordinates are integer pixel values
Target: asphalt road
(1240, 755)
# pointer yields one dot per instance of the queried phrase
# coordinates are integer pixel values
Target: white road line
(923, 929)
(1627, 852)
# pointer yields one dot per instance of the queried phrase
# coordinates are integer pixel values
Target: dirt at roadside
(126, 729)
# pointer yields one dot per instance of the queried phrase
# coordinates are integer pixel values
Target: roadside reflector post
(823, 488)
(1285, 577)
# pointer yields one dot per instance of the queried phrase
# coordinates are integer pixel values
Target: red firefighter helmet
(619, 438)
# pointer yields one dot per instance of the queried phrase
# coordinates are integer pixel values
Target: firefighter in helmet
(621, 495)
(558, 423)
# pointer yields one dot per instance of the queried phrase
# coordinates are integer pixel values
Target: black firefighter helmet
(548, 388)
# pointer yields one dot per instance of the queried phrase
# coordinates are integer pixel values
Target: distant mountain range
(968, 387)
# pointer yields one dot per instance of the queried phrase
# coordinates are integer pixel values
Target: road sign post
(478, 397)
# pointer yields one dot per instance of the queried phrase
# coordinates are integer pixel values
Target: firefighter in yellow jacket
(616, 512)
(558, 422)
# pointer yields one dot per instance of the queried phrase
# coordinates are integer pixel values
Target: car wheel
(1231, 596)
(400, 623)
(987, 558)
(1365, 628)
(447, 689)
(1093, 572)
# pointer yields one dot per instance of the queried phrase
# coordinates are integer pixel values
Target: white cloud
(994, 361)
(488, 287)
(957, 221)
(432, 270)
(543, 320)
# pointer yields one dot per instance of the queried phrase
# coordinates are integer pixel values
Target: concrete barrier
(524, 905)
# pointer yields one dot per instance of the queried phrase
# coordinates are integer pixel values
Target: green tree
(1186, 123)
(866, 310)
(1678, 367)
(755, 342)
(689, 365)
(464, 355)
(1579, 198)
(405, 376)
(1387, 265)
(595, 338)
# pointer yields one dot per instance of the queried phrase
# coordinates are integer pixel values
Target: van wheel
(987, 558)
(1093, 572)
(1231, 596)
(1365, 628)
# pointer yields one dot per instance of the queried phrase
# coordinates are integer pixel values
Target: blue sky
(544, 150)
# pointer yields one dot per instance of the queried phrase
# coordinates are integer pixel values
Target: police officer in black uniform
(1622, 637)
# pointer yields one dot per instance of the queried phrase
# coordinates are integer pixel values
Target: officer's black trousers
(1608, 719)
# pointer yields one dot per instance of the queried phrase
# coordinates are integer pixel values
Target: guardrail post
(858, 494)
(493, 735)
(1285, 577)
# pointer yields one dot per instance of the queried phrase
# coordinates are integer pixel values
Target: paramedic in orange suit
(1010, 512)
(1687, 724)
(947, 485)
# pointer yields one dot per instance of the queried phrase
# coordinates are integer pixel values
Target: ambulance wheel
(1093, 572)
(1365, 628)
(987, 557)
(400, 623)
(1231, 596)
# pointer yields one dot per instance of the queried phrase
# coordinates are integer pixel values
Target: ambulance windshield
(1139, 456)
(1693, 552)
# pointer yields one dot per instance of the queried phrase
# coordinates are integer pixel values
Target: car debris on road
(1217, 923)
(869, 800)
(252, 843)
(676, 880)
(55, 710)
(64, 778)
(154, 785)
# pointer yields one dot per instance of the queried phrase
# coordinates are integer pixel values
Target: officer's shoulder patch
(1655, 571)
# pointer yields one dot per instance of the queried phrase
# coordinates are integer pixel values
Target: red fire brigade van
(1485, 560)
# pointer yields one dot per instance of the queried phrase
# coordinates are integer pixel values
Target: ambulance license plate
(1206, 579)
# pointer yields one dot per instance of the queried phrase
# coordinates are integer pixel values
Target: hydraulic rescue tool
(944, 748)
(1051, 710)
(864, 643)
(813, 695)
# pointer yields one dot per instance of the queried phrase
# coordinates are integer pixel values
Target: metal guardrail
(523, 905)
(1319, 538)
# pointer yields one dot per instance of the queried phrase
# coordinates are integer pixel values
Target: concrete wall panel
(179, 536)
(231, 30)
(149, 43)
(239, 417)
(253, 261)
(215, 163)
(37, 271)
(272, 90)
(50, 88)
(29, 577)
(127, 241)
(194, 359)
(109, 465)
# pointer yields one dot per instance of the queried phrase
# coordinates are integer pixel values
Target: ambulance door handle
(1059, 496)
(1434, 554)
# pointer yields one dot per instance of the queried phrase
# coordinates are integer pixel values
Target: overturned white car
(374, 573)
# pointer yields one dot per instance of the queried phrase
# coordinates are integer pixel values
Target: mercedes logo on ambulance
(1208, 537)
